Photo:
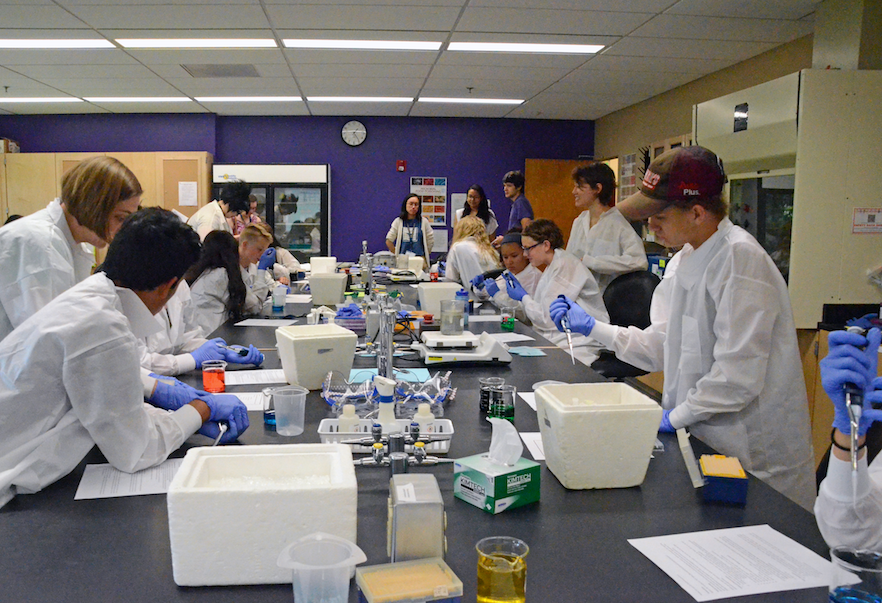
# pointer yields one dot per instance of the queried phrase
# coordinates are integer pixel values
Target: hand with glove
(514, 288)
(217, 349)
(267, 260)
(665, 426)
(580, 321)
(225, 408)
(866, 322)
(852, 359)
(171, 394)
(491, 287)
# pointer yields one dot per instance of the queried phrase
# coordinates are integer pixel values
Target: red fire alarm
(401, 165)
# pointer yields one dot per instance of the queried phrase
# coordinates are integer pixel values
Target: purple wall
(366, 190)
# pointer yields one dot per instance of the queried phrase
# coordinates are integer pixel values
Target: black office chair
(627, 300)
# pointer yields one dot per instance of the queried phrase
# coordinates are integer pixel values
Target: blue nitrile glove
(847, 363)
(254, 356)
(580, 321)
(171, 394)
(514, 288)
(865, 322)
(267, 260)
(350, 311)
(228, 409)
(665, 426)
(491, 287)
(210, 350)
(478, 282)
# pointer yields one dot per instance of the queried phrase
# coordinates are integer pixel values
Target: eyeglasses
(530, 248)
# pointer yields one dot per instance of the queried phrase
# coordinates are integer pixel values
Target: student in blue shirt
(411, 232)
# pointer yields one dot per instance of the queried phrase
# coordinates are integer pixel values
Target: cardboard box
(493, 487)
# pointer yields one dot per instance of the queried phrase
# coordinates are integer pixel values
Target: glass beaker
(452, 317)
(487, 383)
(508, 317)
(321, 566)
(214, 376)
(502, 570)
(856, 576)
(502, 402)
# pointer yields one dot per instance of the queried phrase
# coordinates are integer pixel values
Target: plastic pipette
(565, 323)
(222, 429)
(854, 400)
(240, 351)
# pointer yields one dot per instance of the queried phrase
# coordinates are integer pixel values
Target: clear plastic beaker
(856, 576)
(321, 566)
(289, 404)
(502, 570)
(452, 317)
(214, 373)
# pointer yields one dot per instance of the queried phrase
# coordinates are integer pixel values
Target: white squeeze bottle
(348, 421)
(386, 416)
(424, 418)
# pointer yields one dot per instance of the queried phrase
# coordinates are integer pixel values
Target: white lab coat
(39, 260)
(210, 294)
(567, 276)
(528, 278)
(841, 520)
(726, 340)
(491, 227)
(608, 249)
(70, 379)
(286, 264)
(209, 217)
(166, 352)
(465, 261)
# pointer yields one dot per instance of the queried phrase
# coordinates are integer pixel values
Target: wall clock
(354, 133)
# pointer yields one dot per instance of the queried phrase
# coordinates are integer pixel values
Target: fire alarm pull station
(401, 165)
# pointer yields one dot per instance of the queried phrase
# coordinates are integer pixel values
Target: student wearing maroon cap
(722, 328)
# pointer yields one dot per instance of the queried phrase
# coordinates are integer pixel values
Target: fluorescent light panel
(55, 44)
(172, 43)
(474, 101)
(137, 99)
(248, 99)
(359, 99)
(361, 44)
(48, 99)
(525, 47)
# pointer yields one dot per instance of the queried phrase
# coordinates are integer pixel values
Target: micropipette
(240, 350)
(222, 429)
(854, 400)
(565, 323)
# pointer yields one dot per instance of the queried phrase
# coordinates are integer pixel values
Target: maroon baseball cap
(680, 175)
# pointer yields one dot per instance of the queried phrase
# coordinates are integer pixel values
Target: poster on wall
(433, 196)
(867, 220)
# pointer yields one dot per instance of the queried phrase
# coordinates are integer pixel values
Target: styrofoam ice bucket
(321, 565)
(327, 289)
(322, 265)
(273, 495)
(431, 295)
(597, 435)
(310, 352)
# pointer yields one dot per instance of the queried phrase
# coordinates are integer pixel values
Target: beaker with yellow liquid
(502, 570)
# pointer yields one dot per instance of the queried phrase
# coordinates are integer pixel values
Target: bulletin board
(432, 191)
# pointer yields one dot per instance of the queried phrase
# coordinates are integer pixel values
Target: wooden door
(143, 165)
(174, 168)
(549, 188)
(30, 181)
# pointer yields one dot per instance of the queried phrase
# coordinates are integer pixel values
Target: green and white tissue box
(494, 487)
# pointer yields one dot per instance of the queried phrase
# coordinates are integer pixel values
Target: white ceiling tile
(38, 16)
(52, 108)
(363, 17)
(632, 6)
(245, 108)
(512, 60)
(542, 20)
(749, 9)
(167, 16)
(691, 49)
(240, 86)
(352, 70)
(357, 109)
(448, 87)
(458, 110)
(299, 56)
(190, 107)
(208, 57)
(66, 57)
(330, 86)
(120, 87)
(666, 64)
(52, 72)
(718, 28)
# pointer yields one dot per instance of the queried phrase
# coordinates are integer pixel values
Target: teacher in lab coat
(722, 328)
(48, 252)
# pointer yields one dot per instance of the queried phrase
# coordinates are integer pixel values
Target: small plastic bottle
(425, 419)
(463, 296)
(386, 416)
(348, 421)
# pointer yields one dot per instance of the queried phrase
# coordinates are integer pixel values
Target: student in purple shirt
(521, 211)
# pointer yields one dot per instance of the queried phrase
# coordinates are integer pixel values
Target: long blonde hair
(474, 227)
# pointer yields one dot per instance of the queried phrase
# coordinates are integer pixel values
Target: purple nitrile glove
(267, 260)
(665, 426)
(225, 408)
(210, 350)
(853, 359)
(171, 394)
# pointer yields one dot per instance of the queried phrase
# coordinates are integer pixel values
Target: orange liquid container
(214, 380)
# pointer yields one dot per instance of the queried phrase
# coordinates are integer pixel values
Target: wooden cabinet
(175, 168)
(30, 181)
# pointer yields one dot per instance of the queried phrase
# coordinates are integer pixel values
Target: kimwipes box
(494, 487)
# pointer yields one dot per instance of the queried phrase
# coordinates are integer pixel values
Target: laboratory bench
(56, 549)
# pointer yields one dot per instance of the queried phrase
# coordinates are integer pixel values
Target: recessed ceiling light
(359, 99)
(475, 101)
(248, 99)
(186, 43)
(137, 99)
(361, 44)
(54, 44)
(47, 99)
(525, 47)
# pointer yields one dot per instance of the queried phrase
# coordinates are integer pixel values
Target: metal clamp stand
(397, 459)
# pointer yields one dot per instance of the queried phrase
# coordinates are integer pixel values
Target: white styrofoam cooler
(431, 294)
(597, 435)
(322, 265)
(232, 510)
(327, 289)
(309, 352)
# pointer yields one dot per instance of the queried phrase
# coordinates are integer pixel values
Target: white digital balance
(436, 348)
